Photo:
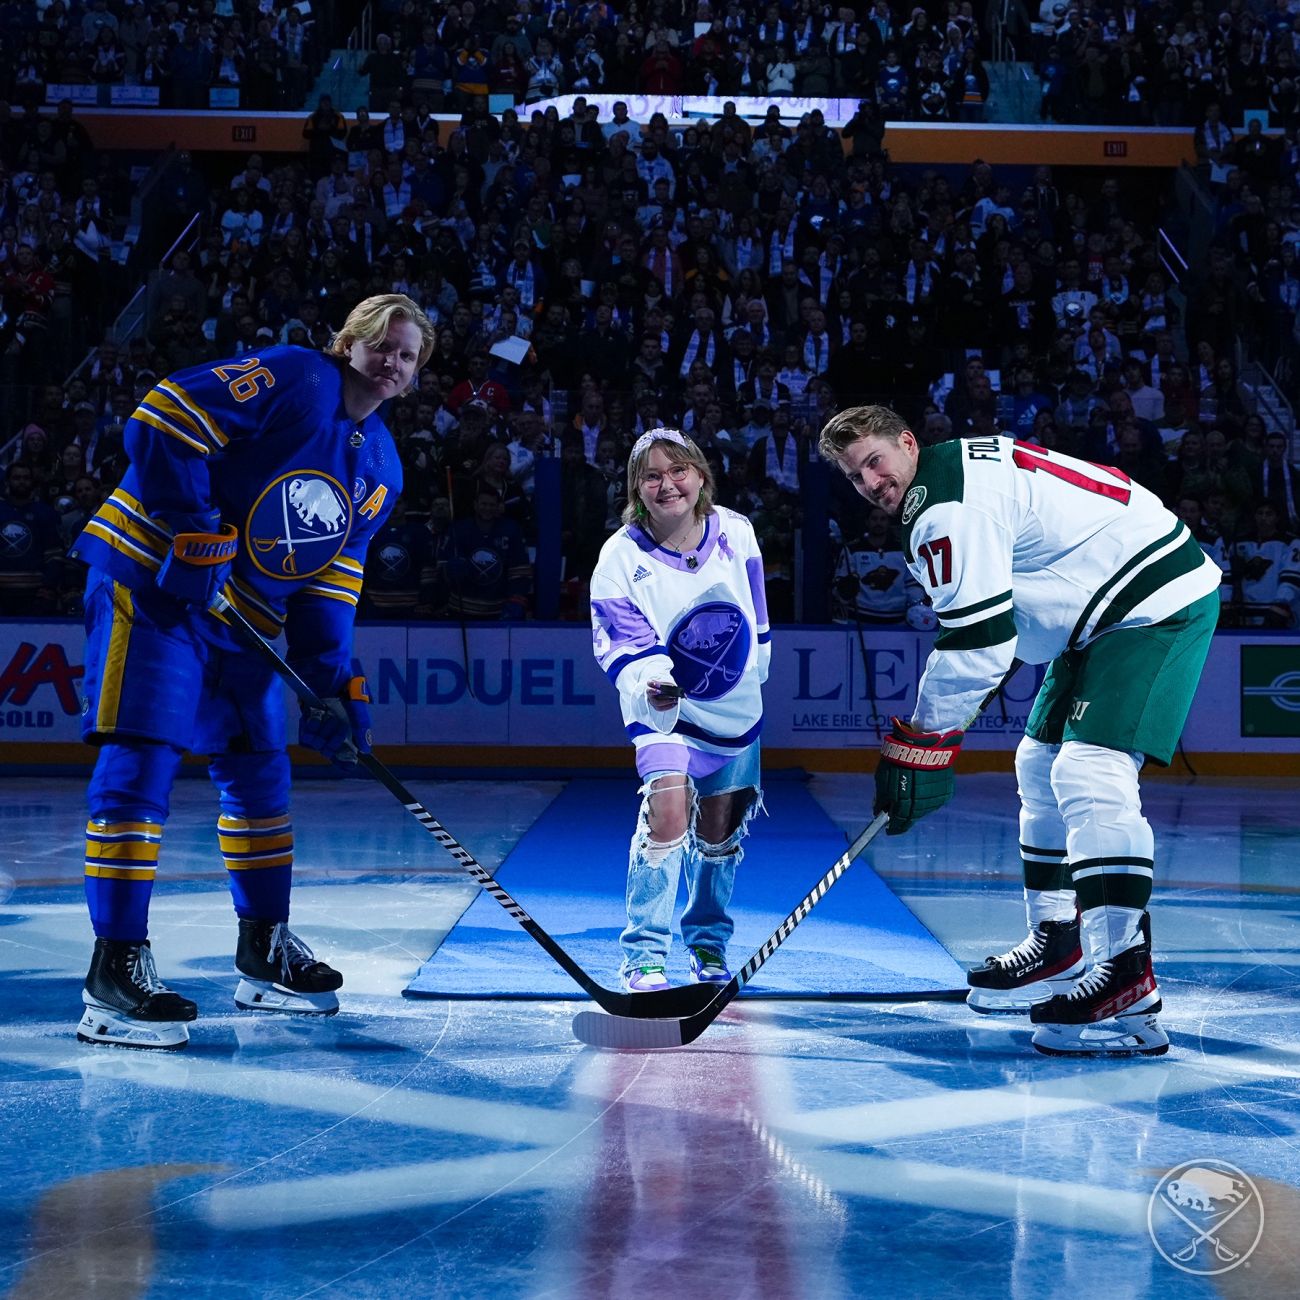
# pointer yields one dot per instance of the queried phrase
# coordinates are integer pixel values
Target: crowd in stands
(267, 52)
(1165, 62)
(924, 62)
(592, 276)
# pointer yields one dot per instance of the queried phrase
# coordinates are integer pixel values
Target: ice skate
(127, 1005)
(708, 967)
(1111, 1011)
(280, 973)
(645, 979)
(1044, 964)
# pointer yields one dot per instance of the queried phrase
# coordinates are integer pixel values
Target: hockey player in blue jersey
(262, 478)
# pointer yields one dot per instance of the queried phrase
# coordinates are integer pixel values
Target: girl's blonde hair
(681, 451)
(369, 320)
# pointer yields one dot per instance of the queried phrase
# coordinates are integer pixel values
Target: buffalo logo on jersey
(299, 525)
(394, 560)
(486, 564)
(709, 649)
(15, 539)
(913, 502)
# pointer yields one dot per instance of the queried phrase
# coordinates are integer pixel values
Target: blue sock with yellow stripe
(129, 796)
(254, 830)
(121, 861)
(259, 857)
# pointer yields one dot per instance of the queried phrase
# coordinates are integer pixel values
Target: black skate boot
(1042, 965)
(127, 1005)
(280, 973)
(1111, 1011)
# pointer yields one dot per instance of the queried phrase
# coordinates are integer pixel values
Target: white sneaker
(708, 967)
(645, 979)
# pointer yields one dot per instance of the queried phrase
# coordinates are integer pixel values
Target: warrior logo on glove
(914, 776)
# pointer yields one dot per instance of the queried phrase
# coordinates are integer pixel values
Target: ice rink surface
(798, 1149)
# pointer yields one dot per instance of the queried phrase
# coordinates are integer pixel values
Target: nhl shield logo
(709, 649)
(913, 502)
(1205, 1217)
(299, 525)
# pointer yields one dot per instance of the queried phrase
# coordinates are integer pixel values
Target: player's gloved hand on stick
(914, 776)
(341, 731)
(198, 564)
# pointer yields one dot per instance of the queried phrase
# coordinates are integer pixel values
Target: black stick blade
(599, 1030)
(666, 1004)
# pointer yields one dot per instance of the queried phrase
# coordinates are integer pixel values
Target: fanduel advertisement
(501, 686)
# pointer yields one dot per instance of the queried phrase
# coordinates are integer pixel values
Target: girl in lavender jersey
(679, 624)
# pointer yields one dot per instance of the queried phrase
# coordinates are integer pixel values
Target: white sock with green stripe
(1110, 845)
(1109, 931)
(1049, 893)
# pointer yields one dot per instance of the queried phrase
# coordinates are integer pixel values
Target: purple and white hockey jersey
(698, 618)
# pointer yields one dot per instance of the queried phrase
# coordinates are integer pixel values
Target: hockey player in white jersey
(1032, 555)
(679, 624)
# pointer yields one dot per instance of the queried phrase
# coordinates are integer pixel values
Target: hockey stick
(684, 1000)
(862, 647)
(609, 1031)
(460, 593)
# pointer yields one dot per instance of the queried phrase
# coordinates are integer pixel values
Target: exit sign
(244, 133)
(1114, 148)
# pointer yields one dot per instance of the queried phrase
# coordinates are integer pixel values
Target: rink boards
(533, 695)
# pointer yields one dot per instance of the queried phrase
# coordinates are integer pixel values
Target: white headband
(658, 435)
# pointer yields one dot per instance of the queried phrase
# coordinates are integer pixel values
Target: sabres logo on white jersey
(299, 524)
(709, 648)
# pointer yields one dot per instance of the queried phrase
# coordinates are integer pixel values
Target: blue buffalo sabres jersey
(262, 442)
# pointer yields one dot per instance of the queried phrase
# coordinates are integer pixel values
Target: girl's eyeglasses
(677, 474)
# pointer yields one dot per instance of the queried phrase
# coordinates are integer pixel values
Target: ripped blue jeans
(655, 869)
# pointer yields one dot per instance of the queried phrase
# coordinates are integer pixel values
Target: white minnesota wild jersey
(1027, 553)
(698, 618)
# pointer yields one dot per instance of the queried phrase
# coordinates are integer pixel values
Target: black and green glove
(914, 776)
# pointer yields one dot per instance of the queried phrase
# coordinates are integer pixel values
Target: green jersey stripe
(949, 616)
(978, 636)
(1186, 559)
(1117, 578)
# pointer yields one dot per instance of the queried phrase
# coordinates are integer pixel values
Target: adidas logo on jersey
(641, 572)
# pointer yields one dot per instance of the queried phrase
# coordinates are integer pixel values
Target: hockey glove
(197, 565)
(340, 731)
(914, 776)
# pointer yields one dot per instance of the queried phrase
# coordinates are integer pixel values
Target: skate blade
(1146, 1038)
(262, 995)
(993, 1002)
(102, 1027)
(986, 1008)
